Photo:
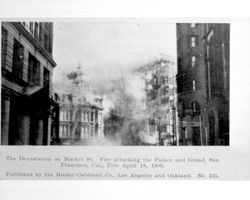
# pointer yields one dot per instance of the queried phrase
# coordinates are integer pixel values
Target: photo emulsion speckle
(115, 82)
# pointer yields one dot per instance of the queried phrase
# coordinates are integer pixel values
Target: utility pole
(174, 131)
(159, 131)
(200, 130)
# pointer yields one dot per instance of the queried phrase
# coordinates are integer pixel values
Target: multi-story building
(80, 121)
(161, 102)
(29, 111)
(81, 117)
(203, 83)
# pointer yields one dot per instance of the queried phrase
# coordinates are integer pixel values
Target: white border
(123, 189)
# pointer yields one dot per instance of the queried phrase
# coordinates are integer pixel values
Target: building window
(26, 26)
(18, 57)
(82, 117)
(61, 115)
(193, 61)
(31, 28)
(88, 117)
(36, 30)
(46, 79)
(4, 46)
(64, 130)
(87, 132)
(47, 43)
(194, 85)
(82, 132)
(69, 115)
(171, 103)
(171, 91)
(195, 107)
(34, 71)
(100, 118)
(192, 41)
(61, 131)
(67, 131)
(66, 115)
(40, 32)
(165, 80)
(192, 25)
(92, 116)
(165, 91)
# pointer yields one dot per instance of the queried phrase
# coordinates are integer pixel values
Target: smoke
(108, 104)
(132, 132)
(125, 114)
(124, 109)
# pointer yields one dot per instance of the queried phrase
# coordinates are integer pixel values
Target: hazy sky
(108, 47)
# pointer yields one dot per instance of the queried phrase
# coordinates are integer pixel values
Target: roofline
(31, 39)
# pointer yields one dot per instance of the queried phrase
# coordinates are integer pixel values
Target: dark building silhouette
(30, 111)
(203, 83)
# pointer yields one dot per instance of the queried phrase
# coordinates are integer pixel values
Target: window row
(65, 115)
(33, 28)
(191, 108)
(34, 66)
(85, 132)
(39, 32)
(65, 130)
(163, 128)
(166, 80)
(87, 116)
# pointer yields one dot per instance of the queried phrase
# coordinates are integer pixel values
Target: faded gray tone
(107, 48)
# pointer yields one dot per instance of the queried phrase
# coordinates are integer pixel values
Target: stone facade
(80, 121)
(29, 110)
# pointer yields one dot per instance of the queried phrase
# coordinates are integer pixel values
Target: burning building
(203, 83)
(30, 111)
(81, 117)
(80, 121)
(123, 119)
(160, 103)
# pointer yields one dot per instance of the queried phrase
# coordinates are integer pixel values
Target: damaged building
(160, 103)
(80, 121)
(81, 112)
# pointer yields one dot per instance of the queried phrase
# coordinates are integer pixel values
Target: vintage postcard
(124, 98)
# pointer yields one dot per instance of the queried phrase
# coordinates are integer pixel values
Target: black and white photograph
(123, 99)
(115, 82)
